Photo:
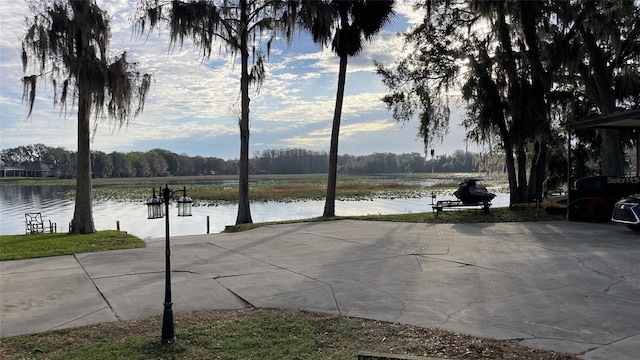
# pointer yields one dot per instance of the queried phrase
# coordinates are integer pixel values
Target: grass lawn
(259, 334)
(14, 247)
(468, 216)
(498, 214)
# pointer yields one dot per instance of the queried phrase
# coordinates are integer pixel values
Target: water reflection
(15, 201)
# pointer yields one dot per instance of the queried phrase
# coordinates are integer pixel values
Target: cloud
(412, 15)
(320, 138)
(193, 103)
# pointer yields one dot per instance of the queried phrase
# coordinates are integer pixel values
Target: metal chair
(34, 224)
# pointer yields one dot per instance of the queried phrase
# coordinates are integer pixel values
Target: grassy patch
(259, 334)
(14, 247)
(500, 214)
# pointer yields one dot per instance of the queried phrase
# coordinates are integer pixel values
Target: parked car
(627, 211)
(594, 197)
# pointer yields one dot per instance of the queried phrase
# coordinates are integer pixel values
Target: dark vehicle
(594, 197)
(469, 192)
(627, 211)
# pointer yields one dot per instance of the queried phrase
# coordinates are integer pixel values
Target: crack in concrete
(404, 303)
(40, 271)
(288, 270)
(606, 291)
(216, 277)
(465, 264)
(578, 259)
(598, 346)
(128, 274)
(612, 343)
(144, 273)
(335, 299)
(584, 265)
(419, 264)
(83, 316)
(185, 271)
(246, 302)
(432, 254)
(113, 311)
(468, 305)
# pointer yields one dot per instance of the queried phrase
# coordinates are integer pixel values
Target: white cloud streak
(193, 99)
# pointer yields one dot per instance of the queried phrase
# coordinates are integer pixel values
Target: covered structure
(594, 197)
(619, 120)
(12, 171)
(629, 120)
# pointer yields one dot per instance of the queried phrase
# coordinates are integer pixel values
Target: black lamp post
(154, 206)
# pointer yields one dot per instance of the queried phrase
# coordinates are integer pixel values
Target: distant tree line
(159, 162)
(301, 161)
(156, 162)
(459, 161)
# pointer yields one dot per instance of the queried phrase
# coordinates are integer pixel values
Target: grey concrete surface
(571, 287)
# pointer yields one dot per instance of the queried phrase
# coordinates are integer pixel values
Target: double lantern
(157, 211)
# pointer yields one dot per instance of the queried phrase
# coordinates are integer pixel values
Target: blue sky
(193, 105)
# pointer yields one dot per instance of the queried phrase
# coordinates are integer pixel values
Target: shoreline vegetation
(212, 190)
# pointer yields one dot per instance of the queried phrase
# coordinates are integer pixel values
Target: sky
(193, 105)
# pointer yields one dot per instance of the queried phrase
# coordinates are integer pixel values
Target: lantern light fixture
(154, 206)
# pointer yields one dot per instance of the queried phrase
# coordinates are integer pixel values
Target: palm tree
(68, 41)
(240, 26)
(347, 24)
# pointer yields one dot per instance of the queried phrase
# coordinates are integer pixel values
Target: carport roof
(620, 120)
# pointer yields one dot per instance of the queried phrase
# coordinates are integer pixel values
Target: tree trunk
(510, 164)
(244, 211)
(537, 174)
(611, 152)
(611, 155)
(83, 212)
(537, 102)
(522, 173)
(330, 201)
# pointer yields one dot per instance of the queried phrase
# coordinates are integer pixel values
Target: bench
(441, 205)
(34, 224)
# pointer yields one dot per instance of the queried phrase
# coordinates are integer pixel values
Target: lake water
(15, 201)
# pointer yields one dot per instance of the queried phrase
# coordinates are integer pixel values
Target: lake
(16, 200)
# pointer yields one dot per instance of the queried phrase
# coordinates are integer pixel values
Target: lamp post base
(168, 334)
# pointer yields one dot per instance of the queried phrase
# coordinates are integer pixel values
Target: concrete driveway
(564, 286)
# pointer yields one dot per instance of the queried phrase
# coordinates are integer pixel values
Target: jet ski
(469, 192)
